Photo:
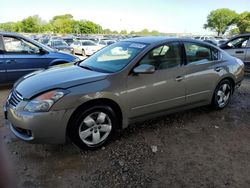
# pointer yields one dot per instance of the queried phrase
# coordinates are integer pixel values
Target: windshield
(88, 43)
(114, 57)
(59, 43)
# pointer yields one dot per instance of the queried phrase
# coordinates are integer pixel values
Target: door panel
(2, 70)
(161, 90)
(201, 74)
(247, 57)
(238, 47)
(238, 52)
(149, 93)
(18, 65)
(200, 82)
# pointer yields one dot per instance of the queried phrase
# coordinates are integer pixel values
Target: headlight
(45, 101)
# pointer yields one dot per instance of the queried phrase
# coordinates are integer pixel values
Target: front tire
(94, 127)
(222, 94)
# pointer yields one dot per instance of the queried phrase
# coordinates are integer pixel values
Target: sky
(170, 16)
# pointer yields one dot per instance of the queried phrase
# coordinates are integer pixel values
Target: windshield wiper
(85, 67)
(78, 62)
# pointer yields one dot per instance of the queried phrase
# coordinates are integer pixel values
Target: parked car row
(83, 45)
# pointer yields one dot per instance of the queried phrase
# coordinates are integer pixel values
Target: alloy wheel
(223, 95)
(95, 128)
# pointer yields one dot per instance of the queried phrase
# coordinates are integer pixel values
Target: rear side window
(215, 54)
(197, 54)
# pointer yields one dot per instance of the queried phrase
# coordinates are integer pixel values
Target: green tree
(107, 31)
(144, 32)
(243, 22)
(8, 26)
(19, 27)
(62, 23)
(220, 20)
(64, 17)
(155, 32)
(234, 31)
(32, 24)
(115, 32)
(86, 27)
(132, 32)
(124, 32)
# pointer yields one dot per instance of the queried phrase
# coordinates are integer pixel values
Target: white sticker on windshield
(136, 45)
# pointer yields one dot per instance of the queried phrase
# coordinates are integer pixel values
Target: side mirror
(42, 51)
(144, 69)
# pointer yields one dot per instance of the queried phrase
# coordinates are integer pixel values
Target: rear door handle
(218, 69)
(179, 78)
(239, 52)
(1, 62)
(11, 62)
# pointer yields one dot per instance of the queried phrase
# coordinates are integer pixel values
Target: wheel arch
(229, 78)
(100, 101)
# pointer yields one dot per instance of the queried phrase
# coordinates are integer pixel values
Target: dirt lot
(196, 148)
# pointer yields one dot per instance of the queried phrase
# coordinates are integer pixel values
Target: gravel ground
(195, 148)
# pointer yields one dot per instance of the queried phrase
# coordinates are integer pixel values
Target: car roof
(147, 40)
(153, 40)
(240, 35)
(11, 34)
(243, 35)
(85, 40)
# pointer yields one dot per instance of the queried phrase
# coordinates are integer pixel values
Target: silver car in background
(239, 46)
(129, 81)
(85, 47)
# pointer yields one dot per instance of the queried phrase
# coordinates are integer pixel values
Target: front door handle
(179, 78)
(239, 52)
(11, 61)
(1, 62)
(218, 69)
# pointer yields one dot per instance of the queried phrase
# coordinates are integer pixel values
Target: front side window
(240, 42)
(196, 53)
(114, 57)
(163, 57)
(16, 45)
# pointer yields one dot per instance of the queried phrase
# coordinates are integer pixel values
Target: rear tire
(222, 94)
(93, 127)
(83, 53)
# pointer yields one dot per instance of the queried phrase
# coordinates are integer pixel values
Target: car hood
(58, 77)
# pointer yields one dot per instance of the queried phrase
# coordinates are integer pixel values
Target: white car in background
(85, 47)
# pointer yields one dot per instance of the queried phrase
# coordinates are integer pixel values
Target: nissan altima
(129, 81)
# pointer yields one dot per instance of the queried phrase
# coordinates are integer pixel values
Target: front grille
(15, 98)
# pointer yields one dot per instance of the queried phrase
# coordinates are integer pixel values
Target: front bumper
(43, 128)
